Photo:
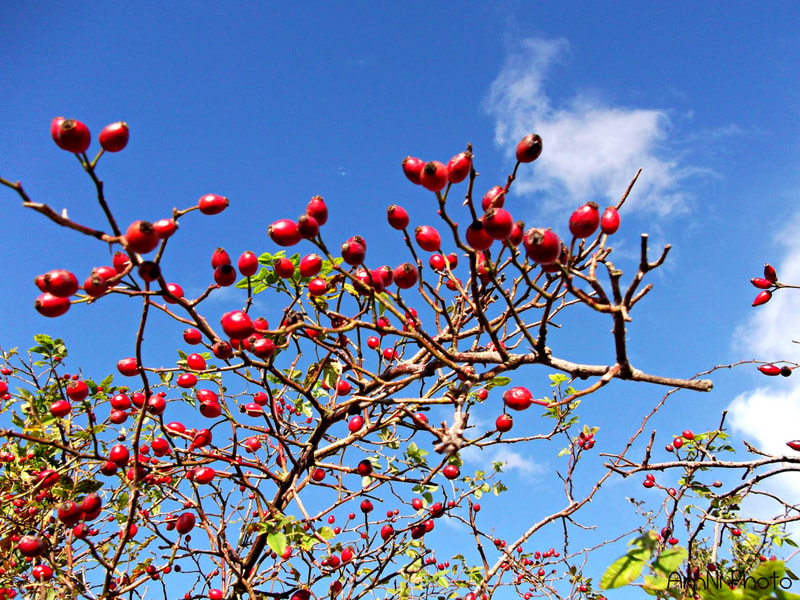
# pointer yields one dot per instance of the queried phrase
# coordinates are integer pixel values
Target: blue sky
(270, 104)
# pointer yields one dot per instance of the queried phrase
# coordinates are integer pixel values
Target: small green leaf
(669, 560)
(625, 570)
(277, 542)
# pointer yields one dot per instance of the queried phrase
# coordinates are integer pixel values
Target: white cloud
(591, 150)
(512, 461)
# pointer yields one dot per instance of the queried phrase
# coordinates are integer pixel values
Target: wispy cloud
(591, 149)
(512, 460)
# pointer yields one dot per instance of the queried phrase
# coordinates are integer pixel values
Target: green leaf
(326, 533)
(655, 583)
(43, 340)
(625, 570)
(277, 542)
(87, 486)
(669, 560)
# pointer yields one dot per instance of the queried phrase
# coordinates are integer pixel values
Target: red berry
(397, 216)
(185, 523)
(142, 237)
(284, 268)
(412, 167)
(762, 298)
(237, 325)
(225, 275)
(192, 336)
(148, 270)
(529, 148)
(405, 276)
(31, 546)
(433, 176)
(373, 342)
(498, 223)
(212, 204)
(175, 290)
(387, 532)
(284, 232)
(308, 227)
(428, 238)
(770, 370)
(196, 362)
(609, 221)
(204, 475)
(477, 236)
(248, 264)
(317, 287)
(542, 245)
(687, 434)
(355, 424)
(504, 422)
(316, 208)
(51, 306)
(220, 257)
(119, 455)
(584, 221)
(794, 445)
(72, 135)
(114, 137)
(677, 442)
(769, 273)
(343, 388)
(518, 398)
(762, 284)
(354, 250)
(310, 265)
(95, 286)
(60, 283)
(165, 228)
(451, 471)
(437, 262)
(459, 166)
(364, 468)
(495, 197)
(60, 408)
(318, 474)
(186, 380)
(366, 506)
(121, 261)
(222, 350)
(77, 390)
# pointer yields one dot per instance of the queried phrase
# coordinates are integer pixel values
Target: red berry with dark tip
(762, 298)
(72, 136)
(318, 209)
(60, 283)
(542, 245)
(308, 226)
(284, 268)
(504, 423)
(459, 166)
(51, 306)
(142, 237)
(412, 167)
(770, 274)
(498, 223)
(114, 137)
(284, 232)
(428, 238)
(212, 204)
(762, 284)
(405, 276)
(529, 148)
(585, 220)
(121, 261)
(433, 176)
(477, 236)
(609, 221)
(77, 390)
(148, 270)
(397, 216)
(354, 250)
(515, 237)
